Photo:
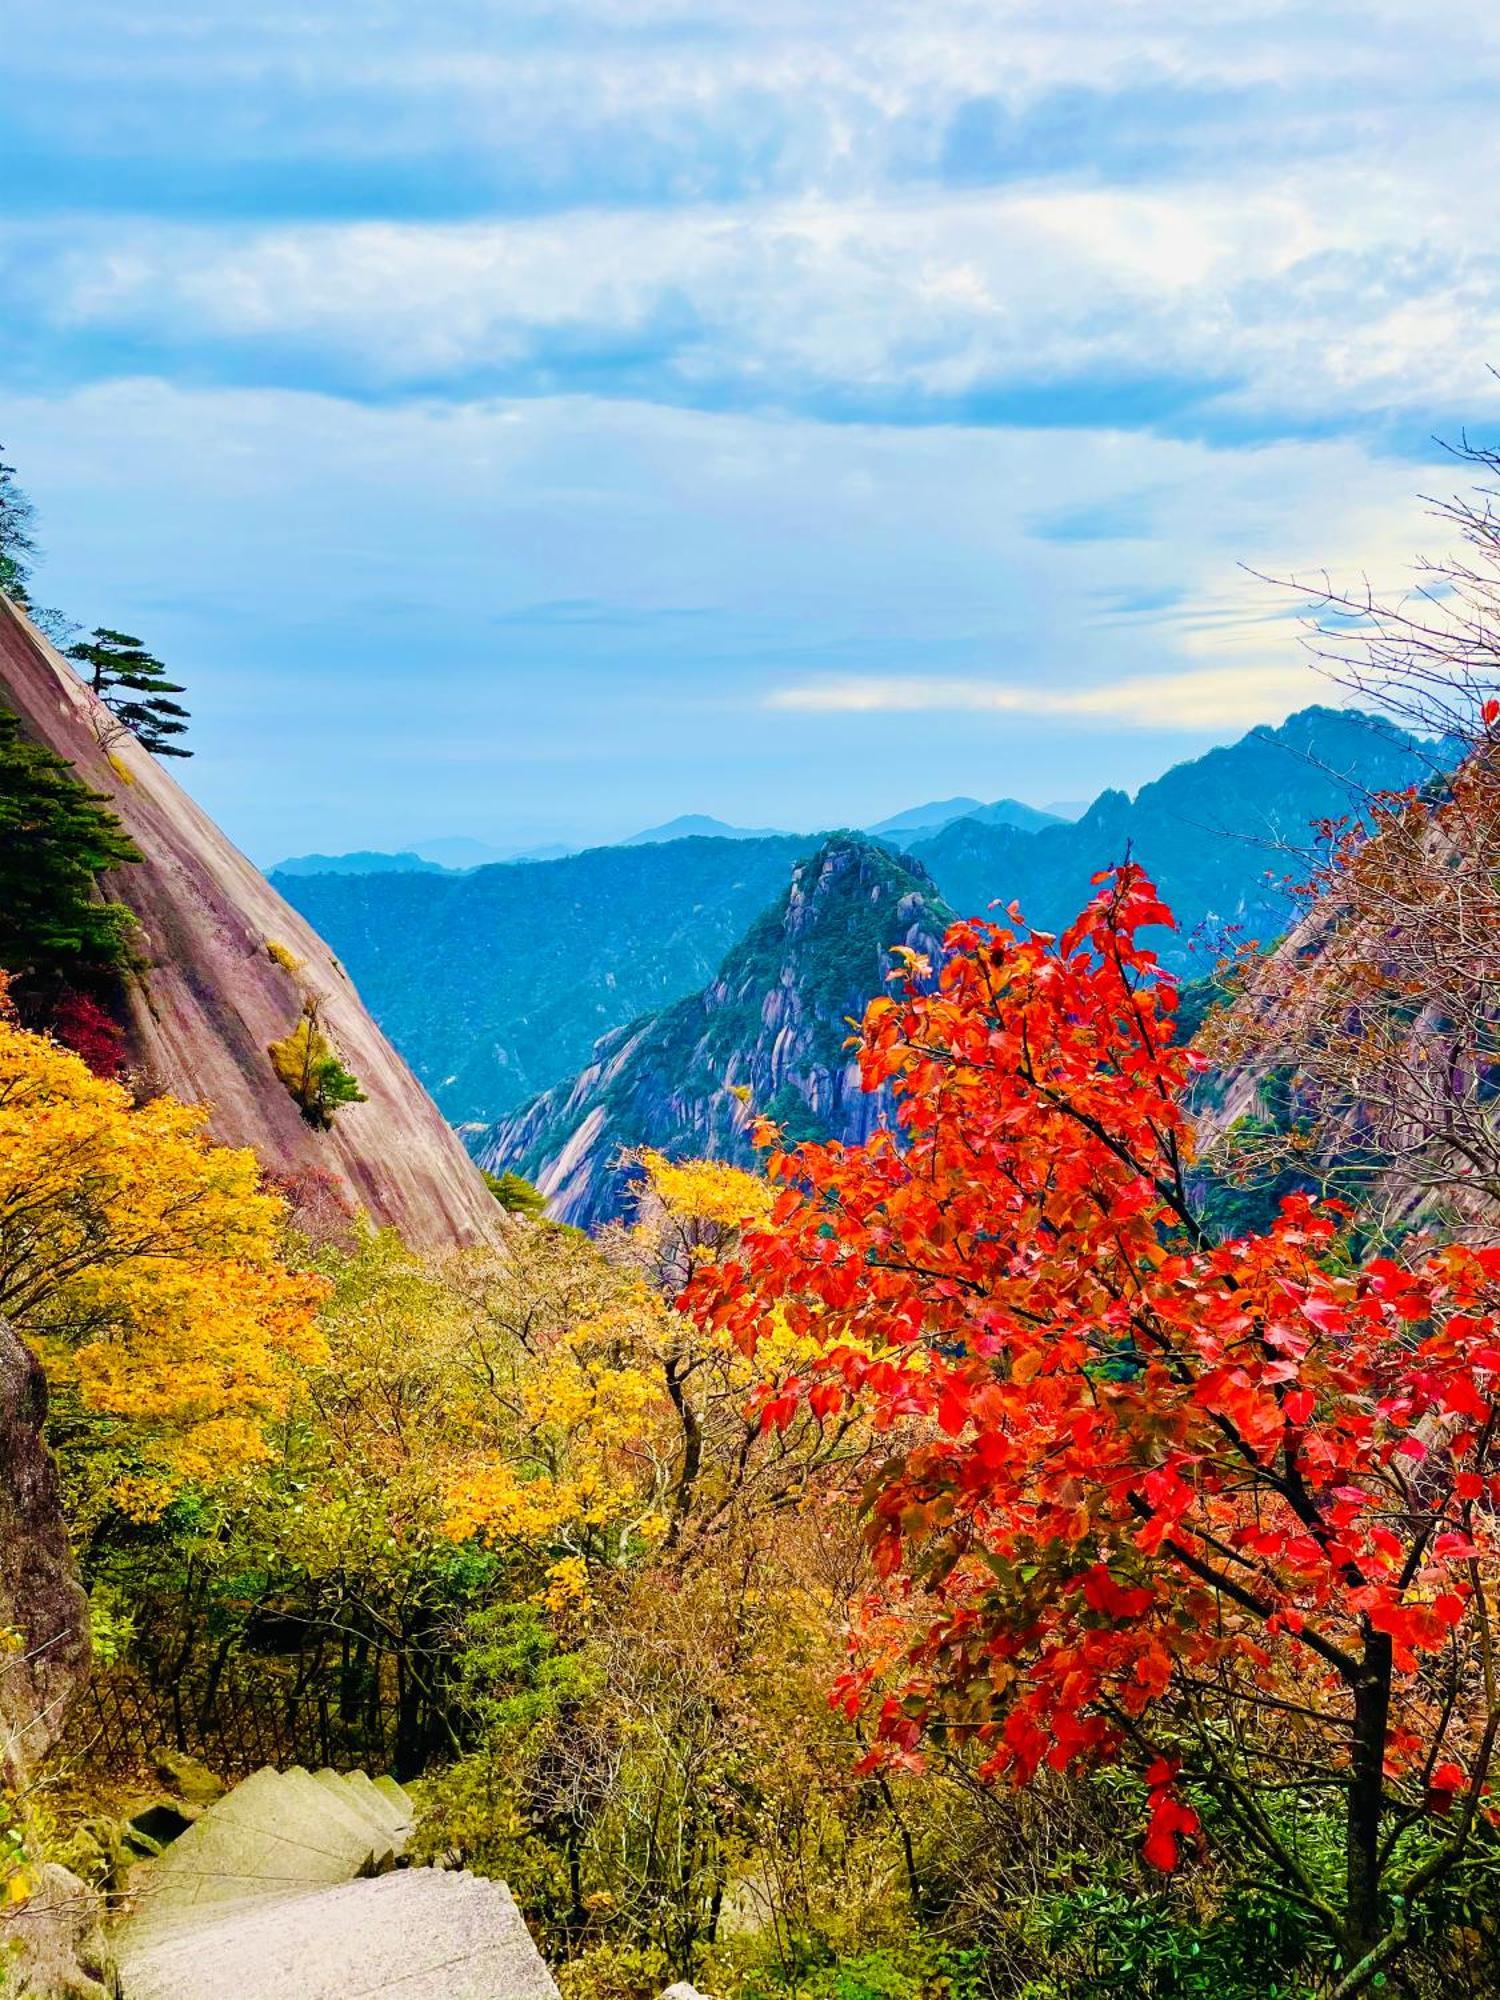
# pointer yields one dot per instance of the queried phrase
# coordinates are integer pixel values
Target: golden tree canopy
(144, 1263)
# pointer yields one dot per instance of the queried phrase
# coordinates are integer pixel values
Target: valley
(562, 1011)
(749, 1001)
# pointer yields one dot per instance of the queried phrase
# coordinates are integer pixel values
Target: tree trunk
(1372, 1703)
(692, 1452)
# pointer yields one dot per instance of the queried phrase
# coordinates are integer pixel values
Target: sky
(531, 422)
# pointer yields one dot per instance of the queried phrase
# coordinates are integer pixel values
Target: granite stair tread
(276, 1894)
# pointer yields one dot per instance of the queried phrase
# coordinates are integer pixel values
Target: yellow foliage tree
(143, 1262)
(565, 1410)
(619, 1420)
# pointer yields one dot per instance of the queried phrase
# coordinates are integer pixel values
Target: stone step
(384, 1797)
(340, 1806)
(189, 1939)
(278, 1831)
(419, 1934)
(394, 1793)
(374, 1808)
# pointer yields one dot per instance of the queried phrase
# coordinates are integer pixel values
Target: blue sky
(534, 421)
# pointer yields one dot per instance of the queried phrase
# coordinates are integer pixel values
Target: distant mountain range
(1217, 833)
(497, 984)
(922, 821)
(459, 853)
(925, 823)
(767, 1034)
(698, 826)
(1221, 834)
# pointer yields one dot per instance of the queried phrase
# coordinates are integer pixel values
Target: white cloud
(400, 619)
(1300, 301)
(1209, 698)
(745, 200)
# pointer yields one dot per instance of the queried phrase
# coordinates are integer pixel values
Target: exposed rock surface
(216, 995)
(1325, 1036)
(40, 1599)
(767, 1035)
(52, 1946)
(283, 1890)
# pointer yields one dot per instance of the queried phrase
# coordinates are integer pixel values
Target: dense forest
(1040, 1544)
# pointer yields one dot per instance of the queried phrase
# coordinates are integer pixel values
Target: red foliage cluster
(86, 1028)
(1131, 1464)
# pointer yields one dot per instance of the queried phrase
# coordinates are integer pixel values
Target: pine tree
(309, 1066)
(133, 685)
(56, 837)
(516, 1194)
(17, 515)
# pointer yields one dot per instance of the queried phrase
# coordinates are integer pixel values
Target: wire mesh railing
(235, 1720)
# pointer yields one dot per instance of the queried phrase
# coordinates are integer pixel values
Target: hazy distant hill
(919, 822)
(459, 851)
(926, 819)
(695, 826)
(363, 861)
(497, 983)
(773, 1022)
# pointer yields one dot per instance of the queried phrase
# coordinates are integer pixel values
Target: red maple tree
(1222, 1511)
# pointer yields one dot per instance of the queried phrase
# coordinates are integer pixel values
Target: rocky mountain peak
(768, 1034)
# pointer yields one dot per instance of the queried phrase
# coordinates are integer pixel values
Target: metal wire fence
(234, 1720)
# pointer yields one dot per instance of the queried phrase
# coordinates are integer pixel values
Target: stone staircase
(289, 1889)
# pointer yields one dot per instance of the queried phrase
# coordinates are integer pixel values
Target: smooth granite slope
(215, 994)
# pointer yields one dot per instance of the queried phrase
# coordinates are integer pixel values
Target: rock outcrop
(229, 968)
(1357, 1057)
(768, 1035)
(43, 1612)
(52, 1946)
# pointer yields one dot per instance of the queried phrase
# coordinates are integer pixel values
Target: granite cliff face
(773, 1023)
(1367, 1039)
(228, 966)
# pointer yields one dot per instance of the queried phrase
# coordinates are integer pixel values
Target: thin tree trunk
(1372, 1703)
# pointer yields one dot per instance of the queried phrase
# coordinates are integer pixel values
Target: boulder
(43, 1611)
(185, 1777)
(52, 1946)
